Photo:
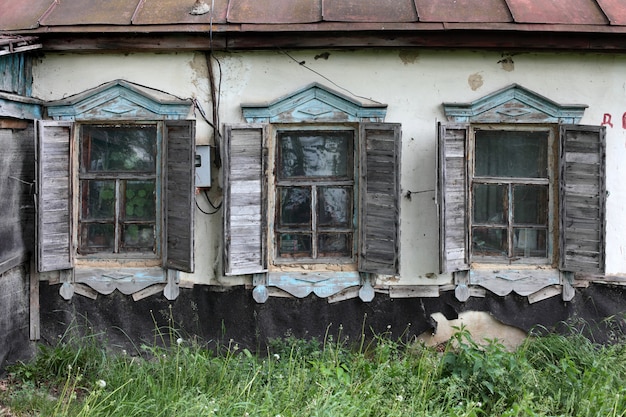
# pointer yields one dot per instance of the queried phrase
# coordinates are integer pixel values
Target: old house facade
(244, 170)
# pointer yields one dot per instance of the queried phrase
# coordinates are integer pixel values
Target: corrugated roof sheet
(165, 16)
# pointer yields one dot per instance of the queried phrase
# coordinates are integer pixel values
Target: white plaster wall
(413, 84)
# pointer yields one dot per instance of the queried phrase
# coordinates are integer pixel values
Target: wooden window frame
(276, 183)
(551, 181)
(248, 179)
(118, 177)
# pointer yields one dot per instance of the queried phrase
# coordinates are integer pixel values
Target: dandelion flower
(276, 356)
(101, 383)
(179, 341)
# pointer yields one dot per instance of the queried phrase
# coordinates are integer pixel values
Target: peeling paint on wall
(475, 81)
(507, 63)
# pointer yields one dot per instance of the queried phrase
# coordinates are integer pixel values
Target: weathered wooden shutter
(379, 192)
(17, 174)
(179, 186)
(582, 198)
(244, 200)
(54, 186)
(452, 198)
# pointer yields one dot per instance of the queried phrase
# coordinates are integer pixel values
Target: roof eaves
(17, 44)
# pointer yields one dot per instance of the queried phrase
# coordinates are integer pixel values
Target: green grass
(550, 375)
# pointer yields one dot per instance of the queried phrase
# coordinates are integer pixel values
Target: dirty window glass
(315, 154)
(501, 153)
(510, 194)
(314, 195)
(118, 148)
(118, 167)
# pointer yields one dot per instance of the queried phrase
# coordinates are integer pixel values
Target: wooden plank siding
(582, 198)
(379, 195)
(244, 200)
(179, 195)
(17, 179)
(54, 222)
(452, 197)
(16, 74)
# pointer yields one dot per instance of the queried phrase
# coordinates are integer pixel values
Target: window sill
(522, 281)
(302, 262)
(322, 284)
(126, 280)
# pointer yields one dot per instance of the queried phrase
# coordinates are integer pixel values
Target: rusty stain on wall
(408, 57)
(199, 66)
(475, 81)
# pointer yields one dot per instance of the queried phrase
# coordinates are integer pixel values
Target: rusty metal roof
(574, 12)
(309, 18)
(464, 11)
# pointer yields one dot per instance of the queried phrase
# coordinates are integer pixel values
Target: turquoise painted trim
(523, 282)
(121, 100)
(315, 103)
(322, 284)
(126, 280)
(19, 107)
(514, 104)
(17, 74)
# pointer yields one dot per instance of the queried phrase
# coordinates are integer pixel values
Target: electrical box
(203, 166)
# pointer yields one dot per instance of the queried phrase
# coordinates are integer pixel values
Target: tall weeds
(549, 375)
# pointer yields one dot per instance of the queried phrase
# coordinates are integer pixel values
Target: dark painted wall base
(219, 317)
(15, 341)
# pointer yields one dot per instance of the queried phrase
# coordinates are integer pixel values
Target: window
(512, 174)
(314, 196)
(333, 188)
(116, 183)
(520, 183)
(118, 187)
(501, 209)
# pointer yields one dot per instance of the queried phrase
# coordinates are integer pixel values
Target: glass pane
(334, 206)
(488, 241)
(98, 199)
(530, 204)
(530, 242)
(334, 244)
(97, 237)
(294, 245)
(294, 206)
(118, 148)
(138, 237)
(506, 153)
(490, 203)
(315, 154)
(140, 203)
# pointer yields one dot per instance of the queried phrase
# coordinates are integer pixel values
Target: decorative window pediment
(315, 103)
(514, 104)
(122, 100)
